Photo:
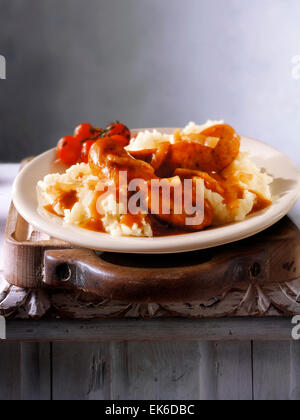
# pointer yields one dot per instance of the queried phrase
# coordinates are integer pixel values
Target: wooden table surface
(137, 359)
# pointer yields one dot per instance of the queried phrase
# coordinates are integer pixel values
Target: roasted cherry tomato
(68, 150)
(86, 150)
(120, 130)
(84, 131)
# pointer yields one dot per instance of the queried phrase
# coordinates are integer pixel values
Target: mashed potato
(79, 179)
(249, 177)
(79, 182)
(149, 140)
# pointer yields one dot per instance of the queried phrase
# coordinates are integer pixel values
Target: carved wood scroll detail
(246, 300)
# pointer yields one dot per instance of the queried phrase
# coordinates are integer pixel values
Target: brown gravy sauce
(131, 219)
(94, 225)
(66, 200)
(260, 204)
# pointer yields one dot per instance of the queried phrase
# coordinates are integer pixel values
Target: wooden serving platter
(256, 276)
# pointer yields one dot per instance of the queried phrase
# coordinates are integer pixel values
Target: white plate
(286, 189)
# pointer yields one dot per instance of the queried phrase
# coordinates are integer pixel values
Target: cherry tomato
(86, 150)
(68, 150)
(83, 131)
(120, 130)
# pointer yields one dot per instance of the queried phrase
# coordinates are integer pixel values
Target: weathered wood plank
(222, 364)
(81, 371)
(295, 371)
(170, 371)
(25, 371)
(276, 371)
(10, 373)
(155, 371)
(35, 371)
(271, 371)
(232, 369)
(181, 371)
(117, 330)
(119, 370)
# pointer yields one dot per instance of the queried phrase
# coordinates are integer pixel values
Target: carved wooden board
(257, 276)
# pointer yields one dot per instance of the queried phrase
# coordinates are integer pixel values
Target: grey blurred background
(147, 63)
